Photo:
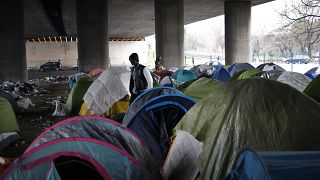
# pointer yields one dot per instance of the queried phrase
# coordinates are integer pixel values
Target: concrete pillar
(13, 65)
(92, 28)
(237, 31)
(169, 32)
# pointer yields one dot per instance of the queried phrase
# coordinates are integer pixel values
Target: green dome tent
(255, 113)
(201, 88)
(246, 74)
(8, 120)
(182, 87)
(313, 89)
(75, 99)
(8, 124)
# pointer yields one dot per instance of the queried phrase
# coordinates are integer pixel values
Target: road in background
(34, 74)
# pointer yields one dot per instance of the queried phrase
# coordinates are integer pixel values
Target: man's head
(134, 59)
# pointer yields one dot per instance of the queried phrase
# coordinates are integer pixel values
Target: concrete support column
(237, 31)
(169, 21)
(93, 39)
(13, 65)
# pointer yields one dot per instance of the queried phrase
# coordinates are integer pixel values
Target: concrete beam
(92, 27)
(13, 65)
(237, 31)
(169, 32)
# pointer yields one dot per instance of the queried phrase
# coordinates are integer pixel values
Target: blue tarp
(276, 165)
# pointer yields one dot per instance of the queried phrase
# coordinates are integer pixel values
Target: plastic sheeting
(254, 113)
(202, 88)
(144, 97)
(111, 86)
(181, 162)
(294, 79)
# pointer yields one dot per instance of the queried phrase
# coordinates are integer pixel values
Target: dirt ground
(36, 119)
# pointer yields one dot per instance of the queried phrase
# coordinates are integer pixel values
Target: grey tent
(255, 113)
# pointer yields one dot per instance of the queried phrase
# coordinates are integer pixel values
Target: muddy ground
(36, 119)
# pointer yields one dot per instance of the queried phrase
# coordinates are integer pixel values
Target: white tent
(111, 86)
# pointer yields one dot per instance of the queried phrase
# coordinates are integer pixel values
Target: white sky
(263, 18)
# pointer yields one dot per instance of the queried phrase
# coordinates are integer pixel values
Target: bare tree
(302, 20)
(192, 41)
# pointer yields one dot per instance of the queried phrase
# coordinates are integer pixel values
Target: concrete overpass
(94, 21)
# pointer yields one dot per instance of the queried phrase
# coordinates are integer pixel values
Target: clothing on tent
(255, 113)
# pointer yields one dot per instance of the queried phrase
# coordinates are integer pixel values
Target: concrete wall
(119, 52)
(39, 53)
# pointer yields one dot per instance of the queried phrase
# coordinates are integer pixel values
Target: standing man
(140, 79)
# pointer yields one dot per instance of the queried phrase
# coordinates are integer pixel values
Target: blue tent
(238, 67)
(221, 74)
(146, 96)
(73, 78)
(276, 165)
(313, 73)
(182, 75)
(155, 120)
(86, 139)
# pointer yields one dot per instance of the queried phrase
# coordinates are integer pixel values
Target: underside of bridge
(94, 21)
